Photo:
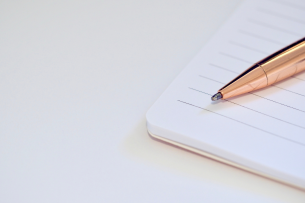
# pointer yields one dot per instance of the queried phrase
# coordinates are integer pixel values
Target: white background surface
(76, 79)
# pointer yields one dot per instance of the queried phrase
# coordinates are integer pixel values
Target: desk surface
(77, 78)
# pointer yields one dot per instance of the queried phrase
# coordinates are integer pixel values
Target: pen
(274, 68)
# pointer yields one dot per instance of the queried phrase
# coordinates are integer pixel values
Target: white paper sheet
(263, 130)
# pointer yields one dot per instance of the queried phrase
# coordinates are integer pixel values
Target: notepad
(261, 131)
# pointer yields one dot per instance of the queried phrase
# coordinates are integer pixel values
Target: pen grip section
(246, 82)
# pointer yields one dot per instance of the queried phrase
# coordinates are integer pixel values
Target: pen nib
(216, 96)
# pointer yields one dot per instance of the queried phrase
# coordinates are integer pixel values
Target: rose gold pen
(274, 68)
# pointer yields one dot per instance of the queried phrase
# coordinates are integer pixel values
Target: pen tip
(216, 96)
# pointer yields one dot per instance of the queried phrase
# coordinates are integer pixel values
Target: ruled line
(212, 79)
(247, 47)
(258, 95)
(298, 78)
(242, 123)
(261, 37)
(289, 4)
(222, 68)
(270, 26)
(288, 90)
(252, 109)
(270, 12)
(278, 102)
(234, 57)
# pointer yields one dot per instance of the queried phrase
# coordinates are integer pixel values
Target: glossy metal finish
(285, 64)
(252, 79)
(274, 68)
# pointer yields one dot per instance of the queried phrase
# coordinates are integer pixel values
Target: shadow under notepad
(139, 146)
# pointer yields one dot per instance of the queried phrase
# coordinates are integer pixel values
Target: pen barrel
(274, 68)
(285, 64)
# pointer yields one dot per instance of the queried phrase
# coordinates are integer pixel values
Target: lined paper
(264, 129)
